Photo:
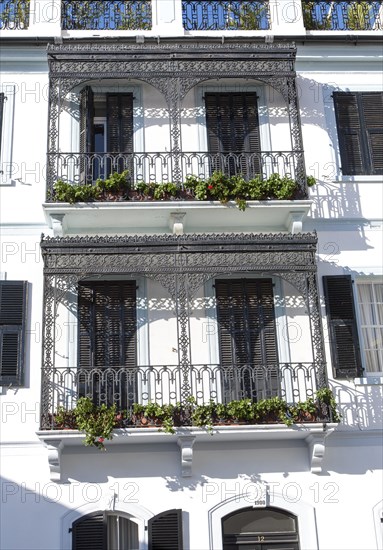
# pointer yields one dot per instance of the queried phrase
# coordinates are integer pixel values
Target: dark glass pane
(259, 521)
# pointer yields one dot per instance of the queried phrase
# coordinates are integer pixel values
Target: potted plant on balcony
(272, 410)
(64, 419)
(304, 411)
(154, 415)
(97, 422)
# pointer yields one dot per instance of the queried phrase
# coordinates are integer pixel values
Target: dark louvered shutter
(86, 133)
(86, 333)
(2, 99)
(119, 108)
(359, 119)
(90, 533)
(233, 127)
(107, 324)
(246, 318)
(372, 106)
(343, 333)
(165, 531)
(247, 338)
(12, 331)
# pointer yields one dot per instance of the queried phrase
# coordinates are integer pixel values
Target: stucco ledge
(175, 217)
(313, 434)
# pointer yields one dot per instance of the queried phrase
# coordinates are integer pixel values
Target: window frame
(280, 319)
(6, 134)
(19, 328)
(358, 281)
(364, 150)
(263, 119)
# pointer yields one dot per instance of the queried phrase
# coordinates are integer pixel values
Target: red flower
(101, 439)
(210, 187)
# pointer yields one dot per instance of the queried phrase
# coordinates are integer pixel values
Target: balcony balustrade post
(168, 17)
(45, 18)
(286, 17)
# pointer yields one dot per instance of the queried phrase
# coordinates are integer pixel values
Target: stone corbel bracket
(316, 447)
(186, 445)
(57, 221)
(295, 222)
(55, 447)
(176, 222)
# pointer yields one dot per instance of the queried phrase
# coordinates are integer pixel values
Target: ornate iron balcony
(215, 15)
(125, 386)
(14, 15)
(342, 15)
(106, 15)
(160, 167)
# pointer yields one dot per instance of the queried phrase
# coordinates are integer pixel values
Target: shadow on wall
(25, 504)
(332, 199)
(360, 406)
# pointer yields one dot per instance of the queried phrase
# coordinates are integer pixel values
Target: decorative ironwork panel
(158, 167)
(14, 15)
(124, 386)
(106, 15)
(181, 264)
(215, 15)
(158, 254)
(172, 68)
(342, 15)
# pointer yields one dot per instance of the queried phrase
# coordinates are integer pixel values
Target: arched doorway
(260, 529)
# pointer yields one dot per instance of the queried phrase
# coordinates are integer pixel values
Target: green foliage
(97, 422)
(64, 419)
(358, 15)
(139, 20)
(165, 190)
(116, 183)
(224, 188)
(116, 186)
(326, 397)
(16, 12)
(66, 192)
(159, 414)
(312, 19)
(248, 18)
(218, 186)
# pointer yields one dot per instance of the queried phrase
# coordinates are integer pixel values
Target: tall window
(247, 337)
(359, 118)
(106, 133)
(7, 100)
(260, 529)
(107, 340)
(110, 531)
(342, 326)
(233, 132)
(13, 309)
(370, 303)
(2, 99)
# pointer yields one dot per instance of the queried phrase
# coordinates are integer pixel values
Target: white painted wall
(338, 510)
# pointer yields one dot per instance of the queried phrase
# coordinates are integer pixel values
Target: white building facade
(207, 276)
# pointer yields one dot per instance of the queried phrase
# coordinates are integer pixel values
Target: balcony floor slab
(313, 434)
(175, 217)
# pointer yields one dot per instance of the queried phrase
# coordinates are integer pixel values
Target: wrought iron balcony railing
(106, 15)
(81, 168)
(14, 15)
(123, 386)
(215, 15)
(343, 15)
